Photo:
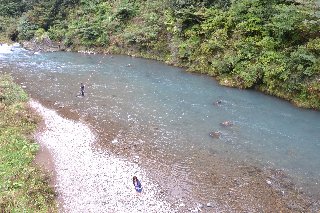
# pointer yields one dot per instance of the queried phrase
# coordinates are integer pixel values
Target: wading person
(137, 184)
(82, 89)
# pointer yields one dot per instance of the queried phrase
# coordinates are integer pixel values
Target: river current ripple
(160, 117)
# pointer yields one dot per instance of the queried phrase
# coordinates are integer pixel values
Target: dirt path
(91, 180)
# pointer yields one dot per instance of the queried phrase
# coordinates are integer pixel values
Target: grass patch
(23, 186)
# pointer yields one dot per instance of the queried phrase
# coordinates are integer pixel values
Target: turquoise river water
(173, 111)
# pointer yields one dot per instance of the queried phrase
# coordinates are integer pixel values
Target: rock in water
(215, 134)
(226, 123)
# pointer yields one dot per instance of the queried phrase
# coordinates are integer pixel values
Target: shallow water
(104, 184)
(173, 112)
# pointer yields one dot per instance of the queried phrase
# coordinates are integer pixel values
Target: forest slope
(272, 46)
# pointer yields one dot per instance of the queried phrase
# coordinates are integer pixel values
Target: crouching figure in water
(82, 89)
(137, 184)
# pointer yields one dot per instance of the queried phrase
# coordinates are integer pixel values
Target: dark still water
(169, 113)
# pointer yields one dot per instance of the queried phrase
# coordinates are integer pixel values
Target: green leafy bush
(271, 45)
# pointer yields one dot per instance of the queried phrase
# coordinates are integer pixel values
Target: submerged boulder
(217, 103)
(215, 134)
(226, 123)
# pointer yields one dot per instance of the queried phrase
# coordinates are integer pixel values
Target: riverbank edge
(64, 136)
(262, 183)
(25, 186)
(59, 110)
(38, 46)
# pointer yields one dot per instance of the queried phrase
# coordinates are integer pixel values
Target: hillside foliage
(273, 45)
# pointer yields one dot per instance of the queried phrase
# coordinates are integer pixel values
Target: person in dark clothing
(137, 184)
(82, 89)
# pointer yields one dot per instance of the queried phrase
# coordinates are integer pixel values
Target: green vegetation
(23, 187)
(272, 46)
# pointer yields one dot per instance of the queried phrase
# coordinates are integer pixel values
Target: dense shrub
(271, 45)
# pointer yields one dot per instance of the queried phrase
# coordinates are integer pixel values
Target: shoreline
(24, 186)
(228, 185)
(44, 158)
(235, 187)
(34, 46)
(84, 173)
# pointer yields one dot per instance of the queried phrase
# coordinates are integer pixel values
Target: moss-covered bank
(23, 187)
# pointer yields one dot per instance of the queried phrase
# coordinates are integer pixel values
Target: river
(160, 117)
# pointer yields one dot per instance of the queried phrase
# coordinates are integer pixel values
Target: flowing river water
(159, 117)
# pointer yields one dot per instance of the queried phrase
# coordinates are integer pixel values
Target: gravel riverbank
(92, 180)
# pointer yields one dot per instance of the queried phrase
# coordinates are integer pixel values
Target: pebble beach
(89, 179)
